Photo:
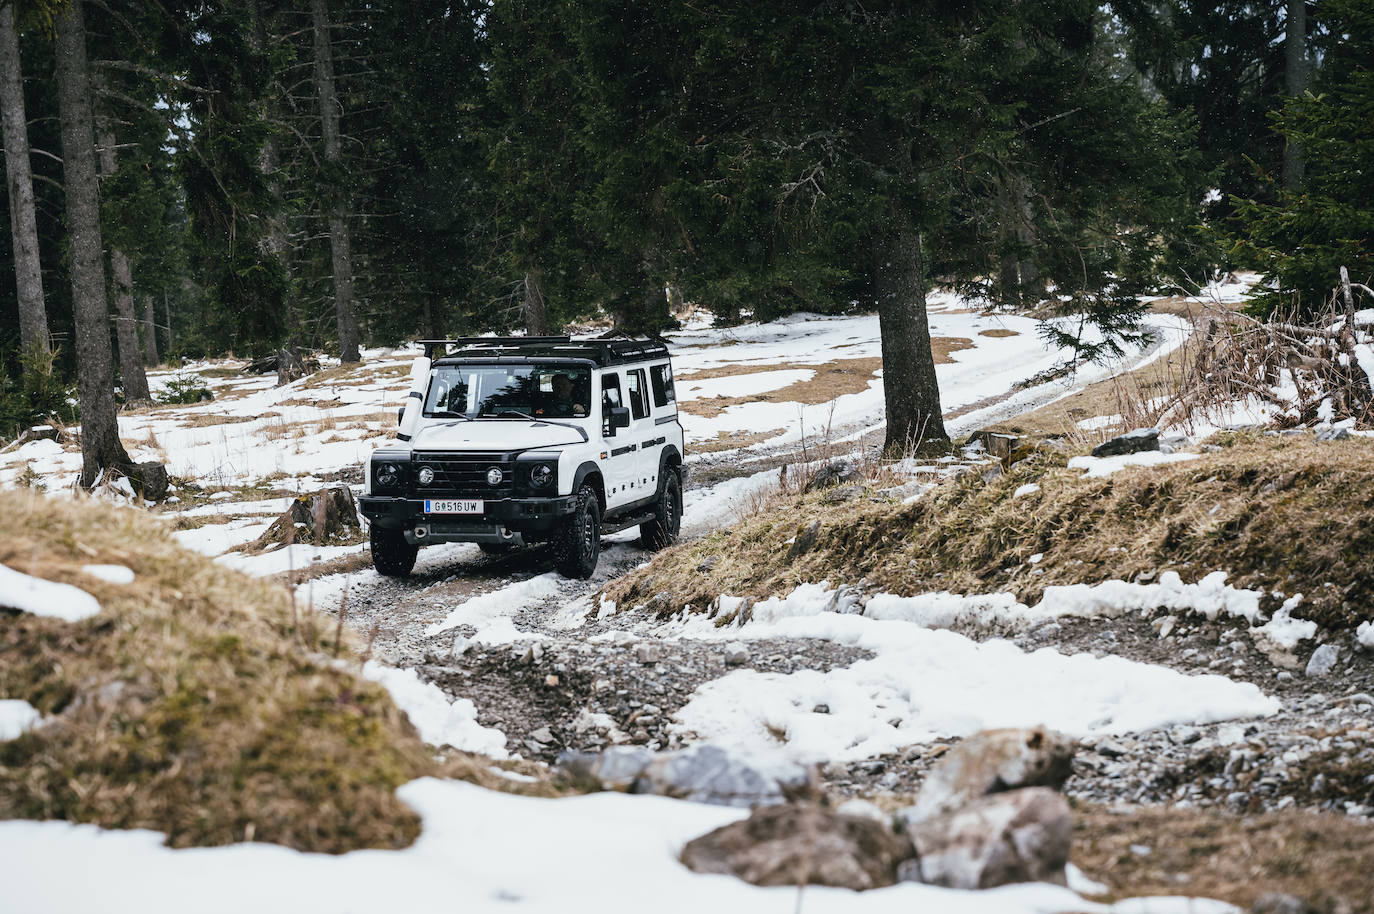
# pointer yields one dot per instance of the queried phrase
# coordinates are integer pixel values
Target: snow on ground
(112, 574)
(440, 722)
(1105, 466)
(490, 613)
(924, 683)
(16, 717)
(45, 598)
(287, 559)
(479, 851)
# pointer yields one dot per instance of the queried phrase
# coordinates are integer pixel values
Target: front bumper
(502, 520)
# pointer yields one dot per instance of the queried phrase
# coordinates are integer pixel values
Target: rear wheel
(577, 541)
(391, 554)
(663, 529)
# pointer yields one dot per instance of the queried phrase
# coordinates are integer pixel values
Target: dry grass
(1325, 860)
(998, 333)
(199, 702)
(827, 382)
(728, 441)
(1277, 513)
(206, 420)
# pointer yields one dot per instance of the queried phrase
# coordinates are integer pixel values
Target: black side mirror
(620, 417)
(400, 414)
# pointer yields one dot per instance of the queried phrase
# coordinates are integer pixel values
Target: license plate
(452, 506)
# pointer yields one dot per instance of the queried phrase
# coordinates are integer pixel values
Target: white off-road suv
(511, 441)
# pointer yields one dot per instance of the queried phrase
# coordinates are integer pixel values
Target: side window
(661, 377)
(610, 396)
(639, 397)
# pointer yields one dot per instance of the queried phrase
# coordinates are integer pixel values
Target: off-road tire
(663, 529)
(391, 554)
(577, 540)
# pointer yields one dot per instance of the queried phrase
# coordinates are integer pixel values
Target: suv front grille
(464, 473)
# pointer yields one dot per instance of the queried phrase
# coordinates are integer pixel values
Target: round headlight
(426, 475)
(494, 476)
(387, 474)
(541, 475)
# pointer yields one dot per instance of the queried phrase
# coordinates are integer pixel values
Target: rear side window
(639, 397)
(661, 377)
(610, 396)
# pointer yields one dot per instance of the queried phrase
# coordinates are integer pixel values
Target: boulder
(801, 844)
(616, 768)
(990, 762)
(834, 473)
(710, 774)
(1142, 439)
(1018, 836)
(804, 542)
(329, 516)
(1323, 661)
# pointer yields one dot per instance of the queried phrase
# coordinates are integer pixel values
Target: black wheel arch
(590, 474)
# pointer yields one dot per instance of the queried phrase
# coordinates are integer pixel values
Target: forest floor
(1209, 717)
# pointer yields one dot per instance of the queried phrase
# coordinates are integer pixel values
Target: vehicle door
(619, 455)
(663, 411)
(642, 425)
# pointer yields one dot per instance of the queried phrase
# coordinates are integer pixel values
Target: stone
(542, 735)
(707, 564)
(648, 653)
(1017, 836)
(801, 844)
(993, 473)
(1323, 661)
(1133, 442)
(615, 768)
(710, 774)
(842, 494)
(736, 654)
(1278, 903)
(992, 761)
(834, 473)
(1333, 434)
(803, 542)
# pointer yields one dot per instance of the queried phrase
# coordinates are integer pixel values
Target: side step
(615, 526)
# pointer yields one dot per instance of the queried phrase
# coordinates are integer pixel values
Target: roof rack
(603, 352)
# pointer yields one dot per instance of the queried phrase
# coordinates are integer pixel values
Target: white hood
(492, 435)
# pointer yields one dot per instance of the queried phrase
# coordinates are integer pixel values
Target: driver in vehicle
(563, 401)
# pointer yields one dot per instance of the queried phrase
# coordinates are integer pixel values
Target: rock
(993, 473)
(1278, 903)
(1142, 439)
(801, 844)
(864, 810)
(707, 564)
(1323, 661)
(842, 494)
(990, 762)
(736, 654)
(804, 542)
(542, 735)
(710, 774)
(834, 473)
(1017, 836)
(821, 709)
(1333, 434)
(615, 768)
(648, 653)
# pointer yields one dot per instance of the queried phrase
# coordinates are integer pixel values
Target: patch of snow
(1283, 629)
(1029, 488)
(45, 598)
(887, 703)
(490, 613)
(287, 558)
(1105, 466)
(1099, 422)
(113, 574)
(441, 722)
(215, 539)
(16, 718)
(1365, 634)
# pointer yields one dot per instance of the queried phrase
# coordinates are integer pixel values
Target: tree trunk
(28, 274)
(534, 310)
(276, 244)
(149, 333)
(338, 223)
(910, 390)
(1295, 84)
(126, 323)
(101, 449)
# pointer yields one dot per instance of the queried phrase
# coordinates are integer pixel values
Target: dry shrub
(1274, 512)
(199, 702)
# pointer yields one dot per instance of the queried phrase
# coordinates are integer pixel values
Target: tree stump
(327, 517)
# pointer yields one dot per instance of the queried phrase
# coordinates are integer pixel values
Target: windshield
(506, 391)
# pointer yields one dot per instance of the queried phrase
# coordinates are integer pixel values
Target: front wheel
(663, 529)
(577, 541)
(391, 554)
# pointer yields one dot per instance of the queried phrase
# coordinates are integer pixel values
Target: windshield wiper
(515, 412)
(445, 414)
